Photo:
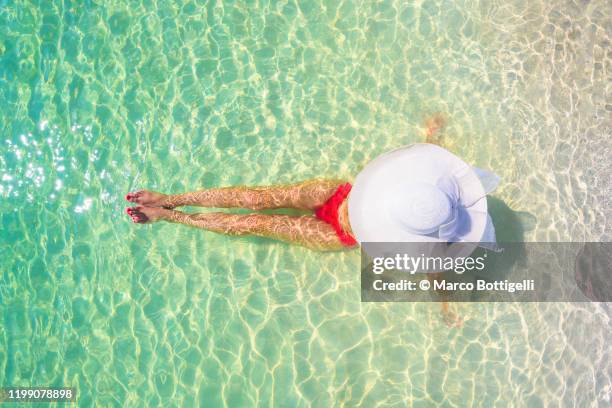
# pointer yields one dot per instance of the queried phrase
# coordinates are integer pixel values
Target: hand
(449, 317)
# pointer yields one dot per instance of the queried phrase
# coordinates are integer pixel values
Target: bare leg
(307, 195)
(305, 230)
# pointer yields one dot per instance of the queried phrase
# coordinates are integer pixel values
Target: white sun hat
(422, 193)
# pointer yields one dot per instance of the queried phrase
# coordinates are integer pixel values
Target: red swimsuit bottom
(329, 213)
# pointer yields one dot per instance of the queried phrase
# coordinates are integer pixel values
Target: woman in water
(328, 228)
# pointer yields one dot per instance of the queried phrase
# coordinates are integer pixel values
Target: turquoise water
(98, 98)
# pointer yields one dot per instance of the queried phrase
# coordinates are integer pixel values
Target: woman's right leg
(307, 195)
(306, 230)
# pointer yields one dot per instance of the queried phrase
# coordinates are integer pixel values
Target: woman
(327, 229)
(438, 212)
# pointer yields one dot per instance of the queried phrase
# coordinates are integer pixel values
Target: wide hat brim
(382, 178)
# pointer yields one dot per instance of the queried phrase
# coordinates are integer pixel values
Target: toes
(141, 218)
(133, 214)
(133, 196)
(137, 215)
(132, 210)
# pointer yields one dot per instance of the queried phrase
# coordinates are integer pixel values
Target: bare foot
(144, 215)
(148, 198)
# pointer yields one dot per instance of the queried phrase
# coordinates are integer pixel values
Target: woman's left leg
(307, 195)
(306, 230)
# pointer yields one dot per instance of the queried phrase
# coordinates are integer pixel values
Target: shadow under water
(510, 227)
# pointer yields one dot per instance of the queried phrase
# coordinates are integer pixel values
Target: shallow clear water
(102, 97)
